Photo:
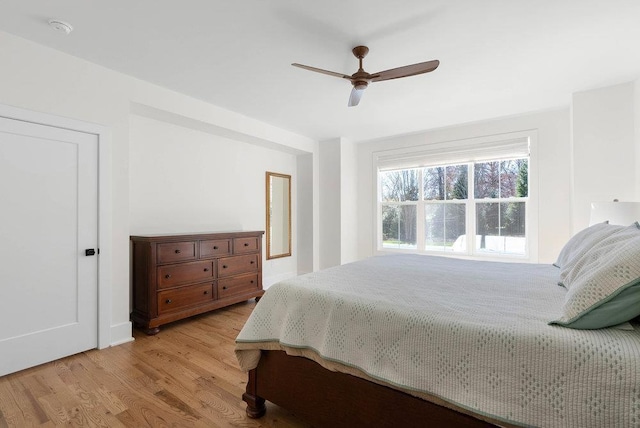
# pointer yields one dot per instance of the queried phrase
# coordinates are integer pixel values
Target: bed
(412, 340)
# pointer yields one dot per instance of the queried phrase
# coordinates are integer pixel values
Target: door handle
(90, 252)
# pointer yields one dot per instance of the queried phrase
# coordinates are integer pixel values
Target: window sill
(489, 257)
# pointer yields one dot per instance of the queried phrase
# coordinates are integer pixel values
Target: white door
(48, 218)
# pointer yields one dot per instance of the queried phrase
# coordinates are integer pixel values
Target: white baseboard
(268, 281)
(121, 333)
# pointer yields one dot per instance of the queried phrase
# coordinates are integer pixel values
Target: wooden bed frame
(327, 398)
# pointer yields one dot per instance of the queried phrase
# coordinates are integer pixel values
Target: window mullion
(471, 211)
(420, 216)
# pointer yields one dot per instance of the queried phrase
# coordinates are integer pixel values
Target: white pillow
(604, 284)
(580, 243)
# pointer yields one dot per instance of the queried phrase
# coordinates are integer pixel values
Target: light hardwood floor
(187, 375)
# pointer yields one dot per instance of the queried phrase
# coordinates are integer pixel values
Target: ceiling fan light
(355, 96)
(360, 85)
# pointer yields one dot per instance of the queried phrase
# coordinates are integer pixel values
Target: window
(480, 206)
(445, 194)
(400, 193)
(500, 192)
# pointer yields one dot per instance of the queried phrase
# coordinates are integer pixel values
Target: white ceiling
(497, 57)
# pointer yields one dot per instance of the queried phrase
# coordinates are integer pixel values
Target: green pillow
(621, 308)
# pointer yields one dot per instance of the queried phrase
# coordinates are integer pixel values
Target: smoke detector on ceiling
(61, 26)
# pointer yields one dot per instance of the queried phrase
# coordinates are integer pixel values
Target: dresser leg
(152, 331)
(258, 298)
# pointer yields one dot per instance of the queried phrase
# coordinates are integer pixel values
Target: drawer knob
(167, 276)
(206, 292)
(224, 288)
(215, 247)
(178, 251)
(252, 262)
(252, 281)
(224, 266)
(206, 269)
(168, 301)
(246, 244)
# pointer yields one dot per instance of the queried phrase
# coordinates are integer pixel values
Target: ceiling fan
(361, 79)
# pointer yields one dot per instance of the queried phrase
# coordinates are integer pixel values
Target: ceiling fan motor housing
(360, 51)
(360, 79)
(360, 84)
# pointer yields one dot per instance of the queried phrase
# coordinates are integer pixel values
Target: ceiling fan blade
(354, 98)
(319, 70)
(407, 70)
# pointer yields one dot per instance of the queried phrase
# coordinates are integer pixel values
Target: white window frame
(409, 157)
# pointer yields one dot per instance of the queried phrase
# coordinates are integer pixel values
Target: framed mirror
(278, 192)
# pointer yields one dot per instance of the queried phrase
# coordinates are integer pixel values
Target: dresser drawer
(237, 285)
(245, 245)
(176, 252)
(171, 275)
(228, 266)
(215, 247)
(177, 298)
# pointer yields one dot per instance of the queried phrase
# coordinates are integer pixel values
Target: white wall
(183, 180)
(603, 149)
(586, 153)
(47, 81)
(303, 234)
(330, 213)
(348, 202)
(338, 202)
(554, 206)
(37, 78)
(636, 128)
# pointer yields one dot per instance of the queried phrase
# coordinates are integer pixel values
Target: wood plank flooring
(186, 376)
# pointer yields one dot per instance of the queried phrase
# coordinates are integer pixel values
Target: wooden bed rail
(327, 398)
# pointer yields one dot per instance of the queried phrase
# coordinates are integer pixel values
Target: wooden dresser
(177, 276)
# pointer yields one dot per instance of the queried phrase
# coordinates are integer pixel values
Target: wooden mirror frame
(286, 210)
